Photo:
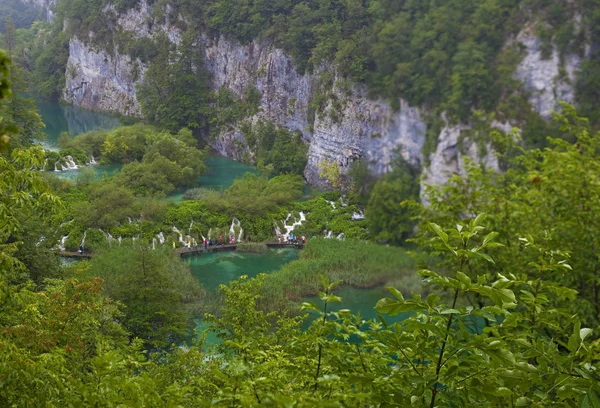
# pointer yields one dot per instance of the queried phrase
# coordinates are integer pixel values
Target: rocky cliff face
(97, 80)
(360, 128)
(356, 127)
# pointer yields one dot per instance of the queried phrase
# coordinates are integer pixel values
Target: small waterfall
(358, 216)
(235, 223)
(92, 160)
(153, 243)
(120, 239)
(343, 204)
(107, 235)
(161, 238)
(39, 241)
(190, 241)
(56, 167)
(209, 233)
(65, 223)
(129, 219)
(83, 240)
(329, 234)
(70, 163)
(63, 240)
(341, 237)
(43, 168)
(290, 228)
(180, 235)
(332, 204)
(191, 225)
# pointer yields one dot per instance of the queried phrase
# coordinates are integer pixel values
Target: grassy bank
(253, 247)
(352, 262)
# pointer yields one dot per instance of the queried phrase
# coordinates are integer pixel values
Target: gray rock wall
(100, 81)
(359, 128)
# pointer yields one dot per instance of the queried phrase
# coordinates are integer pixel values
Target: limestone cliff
(349, 127)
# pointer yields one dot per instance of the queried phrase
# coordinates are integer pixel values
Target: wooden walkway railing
(194, 250)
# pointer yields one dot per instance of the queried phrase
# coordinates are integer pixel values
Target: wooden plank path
(193, 250)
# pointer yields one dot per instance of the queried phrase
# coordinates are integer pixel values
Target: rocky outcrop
(100, 81)
(548, 81)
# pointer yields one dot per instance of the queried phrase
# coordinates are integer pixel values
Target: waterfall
(236, 223)
(83, 240)
(92, 160)
(107, 235)
(329, 234)
(120, 239)
(44, 165)
(209, 233)
(341, 237)
(129, 219)
(161, 238)
(42, 237)
(191, 225)
(65, 223)
(358, 215)
(180, 235)
(153, 243)
(332, 204)
(70, 163)
(290, 228)
(61, 246)
(56, 168)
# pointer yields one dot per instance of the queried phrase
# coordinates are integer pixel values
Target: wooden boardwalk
(194, 250)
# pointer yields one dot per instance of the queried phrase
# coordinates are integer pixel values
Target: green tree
(175, 90)
(154, 287)
(387, 211)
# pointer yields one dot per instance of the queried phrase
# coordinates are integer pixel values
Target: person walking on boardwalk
(221, 240)
(205, 244)
(210, 243)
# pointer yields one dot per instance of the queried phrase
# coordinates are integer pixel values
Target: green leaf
(583, 333)
(438, 230)
(463, 278)
(395, 292)
(523, 402)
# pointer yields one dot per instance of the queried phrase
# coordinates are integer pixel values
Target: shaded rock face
(99, 81)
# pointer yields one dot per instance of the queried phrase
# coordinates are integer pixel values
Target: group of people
(209, 242)
(293, 239)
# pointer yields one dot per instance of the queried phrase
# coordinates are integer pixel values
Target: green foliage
(387, 213)
(352, 262)
(176, 86)
(254, 195)
(546, 196)
(275, 148)
(154, 287)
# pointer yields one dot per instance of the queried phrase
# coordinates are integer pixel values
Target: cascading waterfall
(329, 234)
(70, 163)
(358, 215)
(180, 235)
(61, 246)
(92, 160)
(42, 237)
(209, 233)
(235, 223)
(153, 243)
(83, 240)
(120, 239)
(161, 238)
(332, 204)
(56, 167)
(341, 237)
(44, 165)
(290, 228)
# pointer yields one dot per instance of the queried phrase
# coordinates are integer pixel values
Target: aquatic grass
(353, 262)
